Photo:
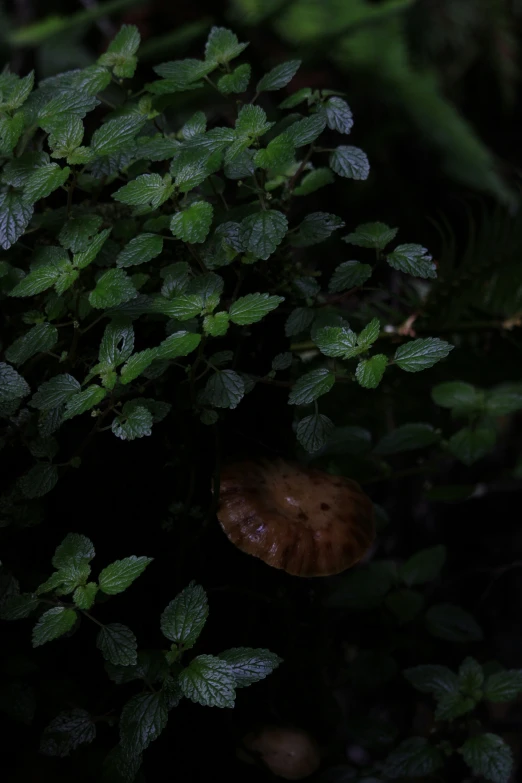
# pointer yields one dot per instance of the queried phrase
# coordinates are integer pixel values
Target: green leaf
(11, 128)
(66, 102)
(413, 758)
(439, 681)
(252, 308)
(116, 577)
(147, 192)
(55, 392)
(471, 677)
(142, 720)
(193, 224)
(52, 624)
(418, 355)
(84, 401)
(307, 130)
(118, 644)
(40, 480)
(235, 82)
(85, 595)
(192, 166)
(250, 665)
(338, 115)
(296, 98)
(222, 46)
(74, 550)
(251, 123)
(83, 258)
(112, 288)
(282, 361)
(216, 325)
(45, 274)
(15, 214)
(139, 250)
(16, 607)
(44, 180)
(313, 180)
(349, 274)
(350, 162)
(407, 438)
(504, 399)
(185, 616)
(277, 156)
(40, 338)
(454, 705)
(313, 431)
(311, 386)
(369, 372)
(405, 605)
(424, 566)
(349, 440)
(12, 385)
(461, 396)
(503, 686)
(180, 74)
(116, 345)
(224, 389)
(450, 622)
(135, 421)
(369, 334)
(178, 344)
(472, 443)
(279, 76)
(208, 681)
(66, 732)
(371, 235)
(195, 126)
(413, 260)
(299, 321)
(488, 756)
(262, 232)
(120, 54)
(78, 233)
(20, 89)
(115, 135)
(137, 364)
(65, 137)
(315, 228)
(338, 342)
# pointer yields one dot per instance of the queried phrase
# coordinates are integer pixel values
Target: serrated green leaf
(185, 616)
(472, 443)
(471, 677)
(17, 92)
(277, 156)
(121, 52)
(83, 401)
(338, 115)
(135, 421)
(251, 123)
(424, 566)
(338, 342)
(250, 665)
(193, 224)
(118, 644)
(252, 308)
(117, 344)
(350, 162)
(235, 82)
(139, 250)
(66, 732)
(43, 181)
(488, 756)
(115, 135)
(85, 595)
(439, 681)
(113, 288)
(369, 372)
(315, 228)
(222, 46)
(15, 214)
(44, 275)
(224, 389)
(279, 76)
(55, 392)
(413, 260)
(503, 686)
(78, 233)
(371, 235)
(296, 98)
(178, 344)
(311, 386)
(16, 607)
(413, 758)
(282, 361)
(349, 274)
(450, 622)
(142, 720)
(87, 256)
(192, 166)
(195, 126)
(147, 192)
(263, 232)
(369, 334)
(52, 624)
(116, 577)
(407, 438)
(307, 130)
(11, 128)
(66, 136)
(66, 102)
(74, 550)
(136, 365)
(454, 705)
(299, 321)
(12, 385)
(312, 432)
(504, 399)
(313, 180)
(40, 338)
(208, 681)
(458, 395)
(40, 480)
(421, 354)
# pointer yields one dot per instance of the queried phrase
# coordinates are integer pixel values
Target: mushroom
(299, 519)
(291, 754)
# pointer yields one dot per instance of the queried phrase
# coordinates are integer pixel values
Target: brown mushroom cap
(302, 520)
(291, 754)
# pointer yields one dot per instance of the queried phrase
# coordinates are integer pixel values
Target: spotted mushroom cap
(302, 520)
